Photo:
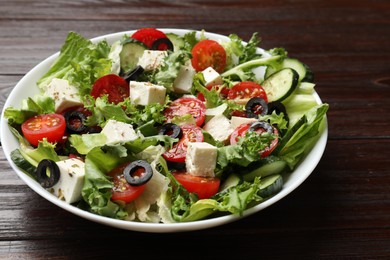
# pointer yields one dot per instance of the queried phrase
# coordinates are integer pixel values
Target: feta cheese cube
(183, 82)
(219, 127)
(212, 77)
(151, 59)
(64, 95)
(117, 132)
(201, 159)
(145, 93)
(71, 180)
(237, 120)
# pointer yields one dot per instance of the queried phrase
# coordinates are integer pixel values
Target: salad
(164, 128)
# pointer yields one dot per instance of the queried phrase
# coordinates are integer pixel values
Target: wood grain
(340, 212)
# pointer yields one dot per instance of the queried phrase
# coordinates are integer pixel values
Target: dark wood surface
(342, 211)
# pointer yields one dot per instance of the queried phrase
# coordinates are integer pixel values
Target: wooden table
(342, 211)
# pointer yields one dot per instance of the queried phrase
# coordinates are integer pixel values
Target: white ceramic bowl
(25, 88)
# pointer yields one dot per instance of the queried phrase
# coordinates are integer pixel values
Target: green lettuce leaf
(81, 62)
(30, 107)
(97, 186)
(301, 137)
(299, 102)
(87, 142)
(235, 200)
(28, 157)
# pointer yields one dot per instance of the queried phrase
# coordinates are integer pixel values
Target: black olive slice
(261, 124)
(165, 41)
(48, 173)
(276, 106)
(134, 73)
(135, 177)
(171, 130)
(256, 106)
(75, 122)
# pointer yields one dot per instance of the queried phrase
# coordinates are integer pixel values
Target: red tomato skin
(112, 85)
(204, 187)
(247, 89)
(122, 190)
(148, 35)
(49, 126)
(177, 153)
(208, 53)
(186, 105)
(241, 130)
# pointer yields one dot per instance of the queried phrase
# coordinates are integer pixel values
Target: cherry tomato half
(191, 133)
(112, 85)
(148, 36)
(184, 106)
(49, 126)
(204, 187)
(208, 53)
(247, 90)
(122, 190)
(241, 130)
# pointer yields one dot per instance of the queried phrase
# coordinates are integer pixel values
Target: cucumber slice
(231, 181)
(177, 41)
(281, 84)
(270, 185)
(22, 163)
(132, 50)
(268, 166)
(304, 72)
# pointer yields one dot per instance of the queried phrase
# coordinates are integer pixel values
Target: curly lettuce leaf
(168, 72)
(102, 111)
(238, 52)
(190, 40)
(245, 151)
